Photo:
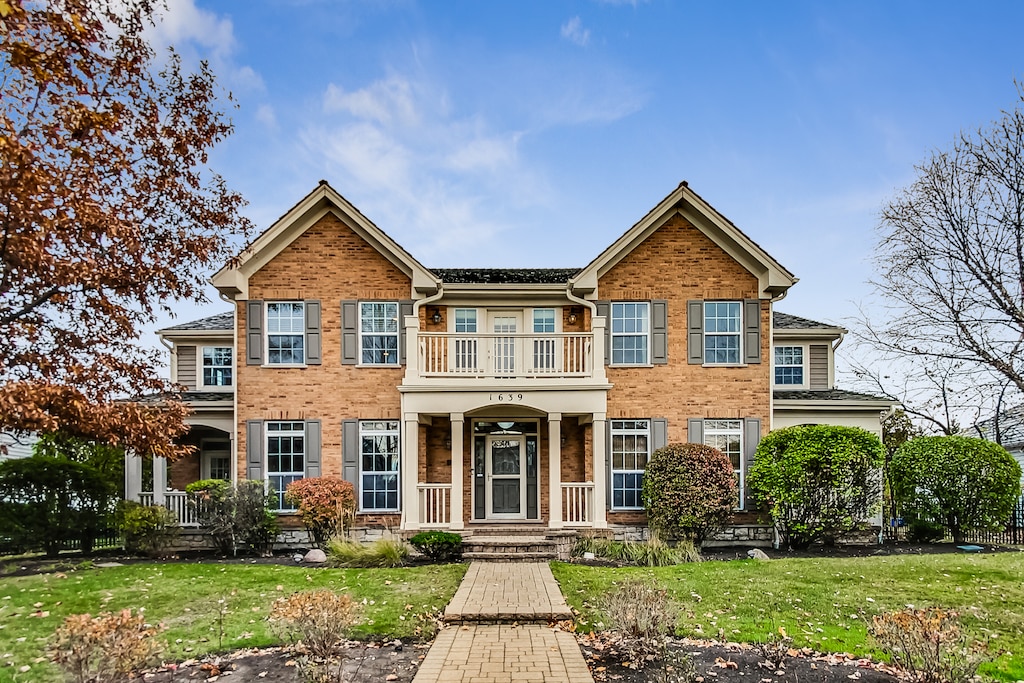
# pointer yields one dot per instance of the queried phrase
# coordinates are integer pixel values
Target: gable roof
(233, 279)
(785, 321)
(773, 278)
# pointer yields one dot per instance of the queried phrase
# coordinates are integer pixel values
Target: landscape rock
(757, 554)
(315, 556)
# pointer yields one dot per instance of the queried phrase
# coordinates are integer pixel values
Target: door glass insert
(505, 458)
(505, 347)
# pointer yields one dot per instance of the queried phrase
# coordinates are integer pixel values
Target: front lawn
(189, 600)
(826, 604)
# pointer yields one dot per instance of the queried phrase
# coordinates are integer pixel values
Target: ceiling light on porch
(573, 315)
(506, 425)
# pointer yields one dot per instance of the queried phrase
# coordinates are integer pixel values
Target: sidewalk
(515, 601)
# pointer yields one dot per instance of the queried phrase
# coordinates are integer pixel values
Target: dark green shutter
(350, 454)
(751, 331)
(695, 430)
(254, 333)
(659, 433)
(751, 437)
(349, 332)
(254, 450)
(313, 448)
(313, 332)
(659, 332)
(604, 310)
(695, 332)
(404, 309)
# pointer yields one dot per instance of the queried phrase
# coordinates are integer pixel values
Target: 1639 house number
(506, 398)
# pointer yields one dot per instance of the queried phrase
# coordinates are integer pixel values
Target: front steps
(516, 544)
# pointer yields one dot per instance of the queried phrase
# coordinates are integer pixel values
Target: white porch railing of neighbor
(434, 504)
(505, 355)
(578, 503)
(178, 503)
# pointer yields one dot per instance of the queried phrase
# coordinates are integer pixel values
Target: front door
(505, 351)
(506, 487)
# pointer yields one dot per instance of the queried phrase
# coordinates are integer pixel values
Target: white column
(455, 519)
(412, 348)
(598, 326)
(159, 480)
(411, 473)
(597, 433)
(132, 477)
(555, 470)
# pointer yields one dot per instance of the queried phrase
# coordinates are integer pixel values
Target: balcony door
(506, 486)
(506, 350)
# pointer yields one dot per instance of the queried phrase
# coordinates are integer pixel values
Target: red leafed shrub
(327, 506)
(689, 491)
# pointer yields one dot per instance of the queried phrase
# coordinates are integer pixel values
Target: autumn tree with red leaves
(108, 216)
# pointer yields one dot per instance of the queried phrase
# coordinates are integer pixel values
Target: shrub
(319, 619)
(689, 491)
(439, 546)
(214, 503)
(959, 482)
(327, 506)
(382, 553)
(46, 502)
(256, 525)
(928, 644)
(650, 553)
(103, 649)
(147, 529)
(818, 481)
(642, 615)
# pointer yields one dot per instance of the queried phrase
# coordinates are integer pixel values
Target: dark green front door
(505, 464)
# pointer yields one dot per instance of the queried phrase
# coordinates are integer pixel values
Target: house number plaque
(506, 398)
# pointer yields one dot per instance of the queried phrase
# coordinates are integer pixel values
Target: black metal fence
(1012, 533)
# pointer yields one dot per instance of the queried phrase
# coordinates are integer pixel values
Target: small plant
(327, 506)
(928, 644)
(318, 619)
(650, 553)
(256, 525)
(673, 666)
(103, 649)
(214, 503)
(439, 546)
(147, 529)
(643, 616)
(382, 553)
(776, 648)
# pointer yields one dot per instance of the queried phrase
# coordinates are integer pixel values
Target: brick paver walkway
(516, 600)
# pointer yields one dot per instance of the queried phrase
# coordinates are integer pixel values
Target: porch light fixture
(573, 315)
(564, 440)
(436, 317)
(448, 444)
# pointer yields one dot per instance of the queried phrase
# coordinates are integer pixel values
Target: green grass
(186, 599)
(826, 603)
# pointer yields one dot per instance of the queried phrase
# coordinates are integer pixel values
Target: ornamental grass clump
(653, 552)
(385, 553)
(104, 649)
(327, 506)
(928, 644)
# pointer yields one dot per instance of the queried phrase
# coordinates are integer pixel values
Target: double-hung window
(286, 333)
(630, 333)
(465, 347)
(379, 462)
(378, 331)
(789, 365)
(544, 348)
(286, 457)
(723, 327)
(631, 449)
(217, 366)
(727, 436)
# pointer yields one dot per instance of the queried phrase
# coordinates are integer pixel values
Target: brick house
(474, 398)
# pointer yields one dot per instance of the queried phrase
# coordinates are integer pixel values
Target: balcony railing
(505, 356)
(578, 503)
(178, 503)
(434, 504)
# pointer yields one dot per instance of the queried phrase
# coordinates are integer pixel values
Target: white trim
(397, 334)
(648, 432)
(613, 334)
(290, 433)
(490, 476)
(201, 368)
(267, 333)
(738, 334)
(397, 433)
(742, 470)
(204, 455)
(805, 367)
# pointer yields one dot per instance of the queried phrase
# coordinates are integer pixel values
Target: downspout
(232, 435)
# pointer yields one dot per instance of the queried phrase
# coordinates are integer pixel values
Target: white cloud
(266, 115)
(386, 101)
(573, 31)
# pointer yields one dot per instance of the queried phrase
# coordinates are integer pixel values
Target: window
(465, 349)
(630, 332)
(630, 452)
(217, 366)
(722, 325)
(544, 349)
(727, 436)
(286, 457)
(789, 365)
(378, 461)
(379, 332)
(286, 328)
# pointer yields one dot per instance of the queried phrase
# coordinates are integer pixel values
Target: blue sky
(517, 134)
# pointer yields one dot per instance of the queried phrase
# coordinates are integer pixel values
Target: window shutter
(604, 309)
(254, 333)
(751, 437)
(313, 448)
(350, 454)
(349, 332)
(659, 332)
(695, 430)
(752, 331)
(659, 433)
(313, 332)
(404, 309)
(695, 332)
(254, 450)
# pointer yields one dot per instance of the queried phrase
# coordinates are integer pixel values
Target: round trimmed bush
(818, 481)
(960, 482)
(326, 505)
(689, 491)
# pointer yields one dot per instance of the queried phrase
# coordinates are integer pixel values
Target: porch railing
(578, 503)
(434, 501)
(178, 503)
(506, 355)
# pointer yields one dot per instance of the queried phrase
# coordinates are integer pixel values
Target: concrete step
(509, 556)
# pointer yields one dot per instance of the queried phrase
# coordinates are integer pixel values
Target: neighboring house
(469, 398)
(1006, 429)
(16, 446)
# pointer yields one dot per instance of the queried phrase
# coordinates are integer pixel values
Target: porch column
(598, 325)
(159, 480)
(600, 480)
(411, 473)
(132, 477)
(455, 520)
(555, 470)
(412, 347)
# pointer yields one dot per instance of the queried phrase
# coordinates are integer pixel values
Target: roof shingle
(504, 276)
(214, 323)
(785, 321)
